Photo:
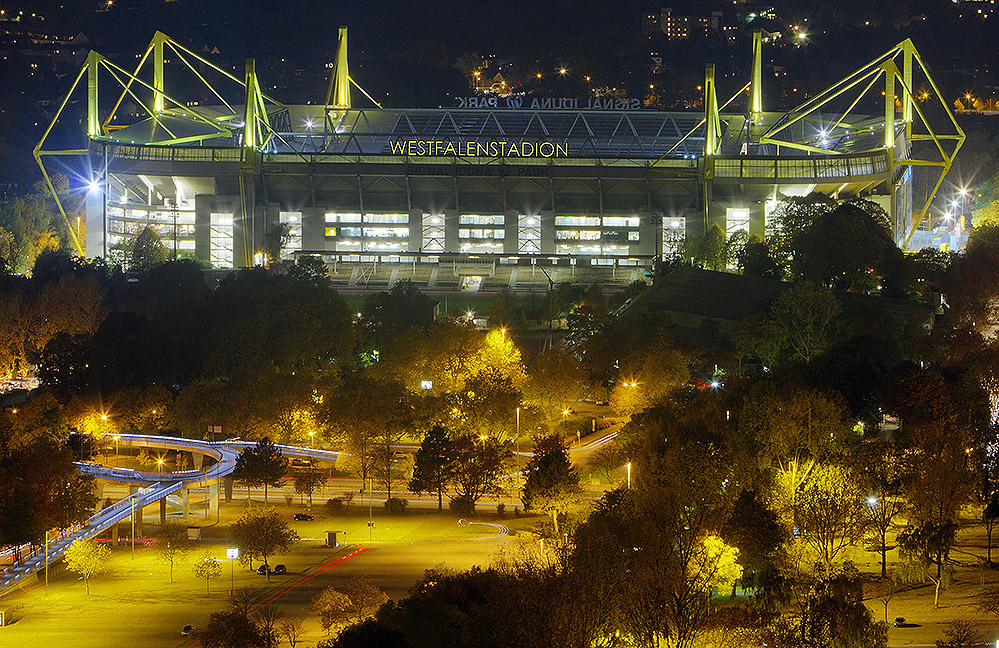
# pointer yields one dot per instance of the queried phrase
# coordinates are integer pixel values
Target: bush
(500, 508)
(396, 505)
(334, 504)
(461, 506)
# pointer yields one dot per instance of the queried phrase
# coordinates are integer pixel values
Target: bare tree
(293, 630)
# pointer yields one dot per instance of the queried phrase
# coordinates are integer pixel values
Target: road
(157, 485)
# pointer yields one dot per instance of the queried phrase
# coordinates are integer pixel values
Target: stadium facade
(496, 181)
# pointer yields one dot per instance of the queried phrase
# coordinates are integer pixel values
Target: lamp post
(518, 429)
(46, 561)
(133, 527)
(116, 439)
(629, 475)
(371, 499)
(232, 553)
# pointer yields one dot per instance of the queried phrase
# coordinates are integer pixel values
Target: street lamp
(232, 553)
(629, 475)
(117, 438)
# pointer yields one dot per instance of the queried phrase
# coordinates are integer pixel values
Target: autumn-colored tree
(87, 558)
(207, 568)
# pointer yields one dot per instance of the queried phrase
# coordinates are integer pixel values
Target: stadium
(499, 191)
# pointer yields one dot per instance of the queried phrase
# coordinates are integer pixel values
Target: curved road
(156, 486)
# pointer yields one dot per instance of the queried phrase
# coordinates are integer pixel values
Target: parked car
(263, 570)
(188, 629)
(304, 517)
(280, 569)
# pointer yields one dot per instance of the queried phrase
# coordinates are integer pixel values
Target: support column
(756, 87)
(162, 502)
(906, 97)
(187, 503)
(213, 497)
(137, 512)
(158, 85)
(93, 67)
(712, 125)
(890, 109)
(114, 533)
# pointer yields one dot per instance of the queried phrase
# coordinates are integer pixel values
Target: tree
(479, 466)
(266, 618)
(828, 514)
(331, 605)
(308, 480)
(990, 515)
(606, 459)
(276, 236)
(365, 598)
(207, 568)
(353, 602)
(87, 558)
(986, 216)
(802, 316)
(792, 430)
(885, 472)
(553, 379)
(310, 269)
(925, 548)
(711, 249)
(552, 484)
(756, 260)
(368, 413)
(433, 468)
(293, 630)
(260, 534)
(148, 251)
(231, 628)
(756, 531)
(260, 465)
(172, 544)
(960, 634)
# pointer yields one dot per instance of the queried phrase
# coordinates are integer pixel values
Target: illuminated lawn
(136, 605)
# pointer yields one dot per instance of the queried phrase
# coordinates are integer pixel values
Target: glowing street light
(562, 71)
(629, 475)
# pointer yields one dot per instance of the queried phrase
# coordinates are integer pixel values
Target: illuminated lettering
(475, 148)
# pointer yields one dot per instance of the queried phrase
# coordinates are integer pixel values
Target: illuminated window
(343, 218)
(475, 219)
(529, 234)
(621, 221)
(569, 221)
(220, 241)
(674, 233)
(433, 233)
(330, 231)
(385, 218)
(294, 240)
(736, 219)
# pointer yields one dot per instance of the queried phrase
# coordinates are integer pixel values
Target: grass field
(135, 604)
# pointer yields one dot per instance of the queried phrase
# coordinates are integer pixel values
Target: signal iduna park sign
(516, 102)
(491, 148)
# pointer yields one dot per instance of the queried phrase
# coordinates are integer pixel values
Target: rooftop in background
(689, 295)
